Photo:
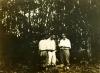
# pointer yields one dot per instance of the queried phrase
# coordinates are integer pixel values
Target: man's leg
(62, 57)
(49, 57)
(42, 58)
(66, 56)
(45, 58)
(53, 58)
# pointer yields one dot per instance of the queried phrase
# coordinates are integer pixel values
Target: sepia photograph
(49, 36)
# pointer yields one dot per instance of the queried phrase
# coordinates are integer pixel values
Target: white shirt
(42, 45)
(65, 43)
(50, 45)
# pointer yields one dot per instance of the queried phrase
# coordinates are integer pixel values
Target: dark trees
(26, 21)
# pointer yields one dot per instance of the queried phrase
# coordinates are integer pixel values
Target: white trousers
(51, 58)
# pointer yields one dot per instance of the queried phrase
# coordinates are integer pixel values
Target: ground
(74, 68)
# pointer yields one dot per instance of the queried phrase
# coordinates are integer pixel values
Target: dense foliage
(27, 21)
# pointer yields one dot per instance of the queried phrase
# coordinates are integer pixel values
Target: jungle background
(23, 23)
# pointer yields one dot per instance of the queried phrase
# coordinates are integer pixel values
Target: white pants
(51, 58)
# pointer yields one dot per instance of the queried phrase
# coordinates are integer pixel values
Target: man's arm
(69, 44)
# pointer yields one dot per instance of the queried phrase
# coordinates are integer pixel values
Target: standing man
(51, 46)
(65, 46)
(43, 52)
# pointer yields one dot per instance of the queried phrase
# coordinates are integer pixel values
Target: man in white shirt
(65, 46)
(43, 52)
(51, 47)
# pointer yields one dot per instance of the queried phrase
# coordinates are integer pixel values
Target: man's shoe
(66, 68)
(61, 65)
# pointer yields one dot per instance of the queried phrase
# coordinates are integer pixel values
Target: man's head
(46, 36)
(63, 36)
(53, 37)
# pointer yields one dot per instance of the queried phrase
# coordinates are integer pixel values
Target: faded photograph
(49, 36)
